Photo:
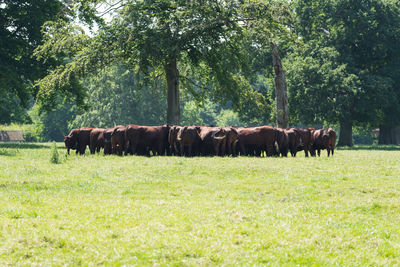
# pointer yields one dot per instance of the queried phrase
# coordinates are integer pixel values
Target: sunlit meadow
(95, 209)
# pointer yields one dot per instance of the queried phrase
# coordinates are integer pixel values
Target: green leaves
(20, 26)
(209, 36)
(363, 35)
(319, 87)
(62, 39)
(116, 95)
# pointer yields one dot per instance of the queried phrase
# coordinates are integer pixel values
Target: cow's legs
(223, 147)
(190, 150)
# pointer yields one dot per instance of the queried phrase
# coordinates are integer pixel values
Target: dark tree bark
(388, 135)
(282, 110)
(173, 108)
(346, 134)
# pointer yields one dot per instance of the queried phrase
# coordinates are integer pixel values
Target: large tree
(321, 89)
(365, 35)
(157, 37)
(20, 34)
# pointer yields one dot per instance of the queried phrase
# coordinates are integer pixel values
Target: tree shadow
(8, 153)
(23, 145)
(370, 147)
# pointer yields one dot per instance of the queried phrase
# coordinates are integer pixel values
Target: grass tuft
(54, 156)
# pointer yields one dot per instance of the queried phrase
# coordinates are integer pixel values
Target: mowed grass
(97, 210)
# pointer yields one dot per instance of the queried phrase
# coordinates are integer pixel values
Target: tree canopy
(348, 64)
(207, 58)
(157, 38)
(20, 33)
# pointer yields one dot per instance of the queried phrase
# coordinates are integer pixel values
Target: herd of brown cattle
(201, 140)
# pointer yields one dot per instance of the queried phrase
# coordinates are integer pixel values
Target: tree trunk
(173, 108)
(387, 135)
(346, 134)
(282, 110)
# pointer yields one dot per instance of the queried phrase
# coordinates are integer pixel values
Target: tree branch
(193, 83)
(112, 7)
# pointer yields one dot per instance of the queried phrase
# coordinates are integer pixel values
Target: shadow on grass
(9, 153)
(370, 147)
(23, 145)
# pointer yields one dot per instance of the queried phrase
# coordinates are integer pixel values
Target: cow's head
(220, 134)
(67, 141)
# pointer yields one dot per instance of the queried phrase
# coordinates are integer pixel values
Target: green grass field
(96, 210)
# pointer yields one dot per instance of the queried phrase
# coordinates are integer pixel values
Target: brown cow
(107, 141)
(213, 140)
(172, 139)
(332, 140)
(293, 141)
(132, 137)
(305, 136)
(165, 135)
(231, 140)
(282, 142)
(188, 137)
(147, 138)
(96, 140)
(71, 140)
(250, 149)
(324, 139)
(83, 139)
(262, 137)
(118, 140)
(155, 138)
